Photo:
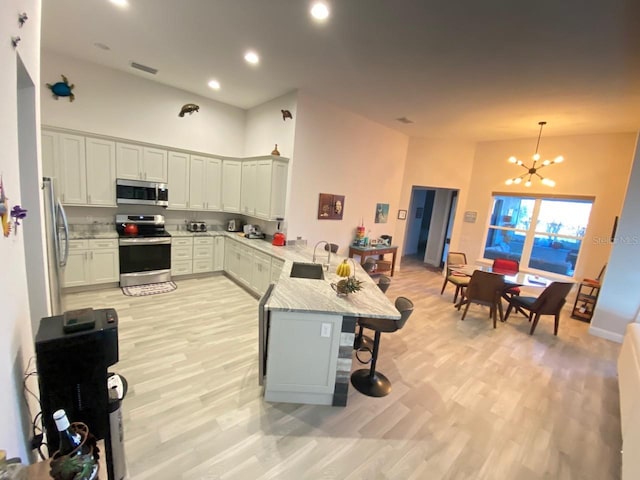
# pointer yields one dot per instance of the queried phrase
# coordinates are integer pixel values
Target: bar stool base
(378, 386)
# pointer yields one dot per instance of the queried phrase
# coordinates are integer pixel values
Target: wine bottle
(68, 439)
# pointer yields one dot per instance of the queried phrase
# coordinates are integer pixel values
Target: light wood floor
(468, 401)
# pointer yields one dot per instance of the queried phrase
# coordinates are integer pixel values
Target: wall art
(402, 214)
(382, 212)
(330, 206)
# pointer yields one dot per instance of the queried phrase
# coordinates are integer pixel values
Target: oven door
(145, 260)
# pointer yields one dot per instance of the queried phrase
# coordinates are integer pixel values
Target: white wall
(437, 164)
(110, 102)
(595, 165)
(339, 152)
(265, 127)
(16, 344)
(619, 302)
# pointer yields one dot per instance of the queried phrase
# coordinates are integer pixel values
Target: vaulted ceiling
(462, 69)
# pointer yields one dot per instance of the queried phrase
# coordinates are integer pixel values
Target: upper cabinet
(84, 167)
(205, 183)
(178, 179)
(264, 187)
(231, 185)
(136, 162)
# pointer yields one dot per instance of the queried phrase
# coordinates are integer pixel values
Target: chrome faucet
(328, 248)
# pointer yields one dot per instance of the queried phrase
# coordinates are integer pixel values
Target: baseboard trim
(606, 334)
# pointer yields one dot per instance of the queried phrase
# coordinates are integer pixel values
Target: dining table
(511, 279)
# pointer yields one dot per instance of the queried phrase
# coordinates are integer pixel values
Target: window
(540, 233)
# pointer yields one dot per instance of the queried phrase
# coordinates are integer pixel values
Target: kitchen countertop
(309, 295)
(90, 235)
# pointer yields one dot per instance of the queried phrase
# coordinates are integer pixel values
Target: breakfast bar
(307, 333)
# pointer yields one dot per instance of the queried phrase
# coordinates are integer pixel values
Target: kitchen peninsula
(307, 333)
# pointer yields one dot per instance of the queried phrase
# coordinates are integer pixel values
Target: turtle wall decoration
(62, 89)
(188, 108)
(286, 114)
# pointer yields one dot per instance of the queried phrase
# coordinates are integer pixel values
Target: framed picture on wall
(382, 212)
(402, 214)
(330, 206)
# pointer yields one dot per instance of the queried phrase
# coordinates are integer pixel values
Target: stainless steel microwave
(137, 192)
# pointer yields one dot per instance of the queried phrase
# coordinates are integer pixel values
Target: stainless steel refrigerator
(57, 232)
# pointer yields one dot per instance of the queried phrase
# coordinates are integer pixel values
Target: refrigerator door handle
(65, 226)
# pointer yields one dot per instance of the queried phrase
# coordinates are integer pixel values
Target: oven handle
(145, 241)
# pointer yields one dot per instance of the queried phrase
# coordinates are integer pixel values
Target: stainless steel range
(145, 249)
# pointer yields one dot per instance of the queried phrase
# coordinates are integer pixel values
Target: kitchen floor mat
(149, 289)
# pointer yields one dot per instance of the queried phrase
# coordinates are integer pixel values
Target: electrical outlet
(325, 330)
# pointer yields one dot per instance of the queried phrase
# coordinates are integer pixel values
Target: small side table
(364, 252)
(586, 301)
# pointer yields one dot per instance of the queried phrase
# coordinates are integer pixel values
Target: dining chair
(459, 280)
(549, 302)
(484, 288)
(506, 266)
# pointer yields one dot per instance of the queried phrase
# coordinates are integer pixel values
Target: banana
(343, 270)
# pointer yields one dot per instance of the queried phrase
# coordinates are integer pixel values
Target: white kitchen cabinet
(181, 256)
(231, 185)
(218, 253)
(276, 269)
(248, 189)
(232, 258)
(135, 162)
(289, 377)
(72, 169)
(271, 188)
(101, 172)
(205, 183)
(84, 168)
(239, 261)
(261, 272)
(178, 179)
(91, 262)
(202, 254)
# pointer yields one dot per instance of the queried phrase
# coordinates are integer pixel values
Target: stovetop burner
(148, 226)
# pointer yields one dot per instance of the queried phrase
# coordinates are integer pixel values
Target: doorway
(429, 224)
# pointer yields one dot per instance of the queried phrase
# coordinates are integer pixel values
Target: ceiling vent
(404, 120)
(144, 68)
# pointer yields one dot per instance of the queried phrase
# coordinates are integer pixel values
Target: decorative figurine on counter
(62, 89)
(286, 114)
(189, 108)
(275, 151)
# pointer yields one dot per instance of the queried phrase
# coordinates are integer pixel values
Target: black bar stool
(370, 382)
(363, 342)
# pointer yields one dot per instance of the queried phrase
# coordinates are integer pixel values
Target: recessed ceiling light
(102, 46)
(214, 84)
(120, 3)
(320, 11)
(251, 57)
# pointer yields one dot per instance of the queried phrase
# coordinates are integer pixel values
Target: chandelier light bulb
(512, 160)
(548, 182)
(519, 162)
(546, 162)
(517, 181)
(536, 156)
(509, 182)
(527, 183)
(559, 159)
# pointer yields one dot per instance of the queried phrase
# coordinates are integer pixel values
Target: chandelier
(533, 170)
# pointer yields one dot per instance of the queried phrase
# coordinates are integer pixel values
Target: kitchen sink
(307, 270)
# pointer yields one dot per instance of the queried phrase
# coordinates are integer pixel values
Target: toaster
(197, 227)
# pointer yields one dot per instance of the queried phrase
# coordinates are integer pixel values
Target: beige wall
(436, 164)
(339, 152)
(595, 165)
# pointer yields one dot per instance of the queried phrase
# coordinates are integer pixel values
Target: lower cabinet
(202, 254)
(218, 253)
(248, 266)
(260, 272)
(91, 262)
(181, 256)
